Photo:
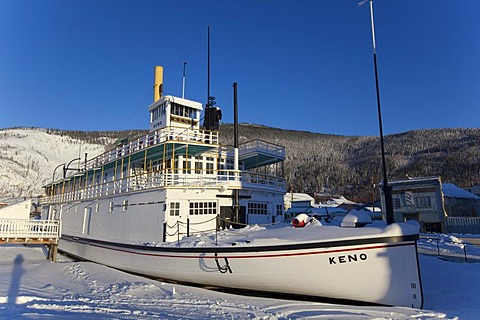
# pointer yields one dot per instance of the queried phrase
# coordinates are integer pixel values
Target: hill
(347, 165)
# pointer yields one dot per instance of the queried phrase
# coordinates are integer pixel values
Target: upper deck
(258, 153)
(198, 140)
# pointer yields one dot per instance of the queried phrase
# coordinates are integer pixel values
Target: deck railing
(14, 229)
(172, 178)
(152, 139)
(260, 145)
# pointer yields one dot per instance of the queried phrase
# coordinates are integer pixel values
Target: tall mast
(208, 67)
(387, 190)
(236, 202)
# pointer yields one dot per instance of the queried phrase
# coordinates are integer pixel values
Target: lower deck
(163, 214)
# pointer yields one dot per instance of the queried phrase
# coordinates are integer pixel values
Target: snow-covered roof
(413, 180)
(318, 211)
(335, 202)
(297, 197)
(452, 191)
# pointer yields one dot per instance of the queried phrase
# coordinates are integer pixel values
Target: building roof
(452, 191)
(297, 197)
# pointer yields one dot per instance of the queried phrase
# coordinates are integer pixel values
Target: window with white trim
(174, 209)
(257, 208)
(279, 209)
(204, 207)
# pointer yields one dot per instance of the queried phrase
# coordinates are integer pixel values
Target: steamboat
(175, 204)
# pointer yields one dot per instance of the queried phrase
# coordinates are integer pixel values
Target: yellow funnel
(158, 85)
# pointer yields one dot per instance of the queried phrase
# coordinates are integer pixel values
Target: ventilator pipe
(300, 220)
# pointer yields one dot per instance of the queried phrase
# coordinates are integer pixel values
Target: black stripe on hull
(242, 249)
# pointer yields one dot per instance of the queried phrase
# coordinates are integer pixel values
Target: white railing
(173, 178)
(152, 139)
(260, 145)
(29, 229)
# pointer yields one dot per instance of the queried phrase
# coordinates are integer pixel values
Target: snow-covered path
(33, 288)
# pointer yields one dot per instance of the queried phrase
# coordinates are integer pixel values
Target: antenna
(183, 82)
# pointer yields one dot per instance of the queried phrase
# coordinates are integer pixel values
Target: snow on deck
(285, 234)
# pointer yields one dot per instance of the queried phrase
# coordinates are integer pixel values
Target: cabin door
(87, 217)
(227, 217)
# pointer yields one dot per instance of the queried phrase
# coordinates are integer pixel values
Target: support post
(52, 252)
(164, 232)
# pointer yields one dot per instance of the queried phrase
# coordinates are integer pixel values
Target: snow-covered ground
(33, 288)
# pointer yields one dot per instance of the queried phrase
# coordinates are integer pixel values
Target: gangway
(30, 232)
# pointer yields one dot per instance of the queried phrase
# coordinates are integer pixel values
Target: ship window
(125, 205)
(197, 208)
(424, 202)
(209, 168)
(257, 208)
(110, 207)
(183, 111)
(187, 166)
(198, 167)
(174, 209)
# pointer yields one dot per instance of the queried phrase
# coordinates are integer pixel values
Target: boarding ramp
(31, 232)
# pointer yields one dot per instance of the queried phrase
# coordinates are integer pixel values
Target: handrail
(32, 229)
(170, 178)
(188, 233)
(259, 145)
(152, 139)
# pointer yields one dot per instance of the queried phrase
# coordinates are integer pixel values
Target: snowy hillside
(29, 156)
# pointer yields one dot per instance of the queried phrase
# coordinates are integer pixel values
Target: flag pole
(387, 190)
(183, 80)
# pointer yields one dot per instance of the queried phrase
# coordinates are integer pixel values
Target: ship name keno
(347, 258)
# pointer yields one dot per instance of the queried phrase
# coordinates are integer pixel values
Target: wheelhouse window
(183, 111)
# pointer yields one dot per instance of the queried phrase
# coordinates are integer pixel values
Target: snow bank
(356, 218)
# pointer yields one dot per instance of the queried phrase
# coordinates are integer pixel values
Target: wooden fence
(470, 225)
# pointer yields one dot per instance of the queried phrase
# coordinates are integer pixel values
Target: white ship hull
(379, 270)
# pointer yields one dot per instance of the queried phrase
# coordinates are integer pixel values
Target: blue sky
(299, 64)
